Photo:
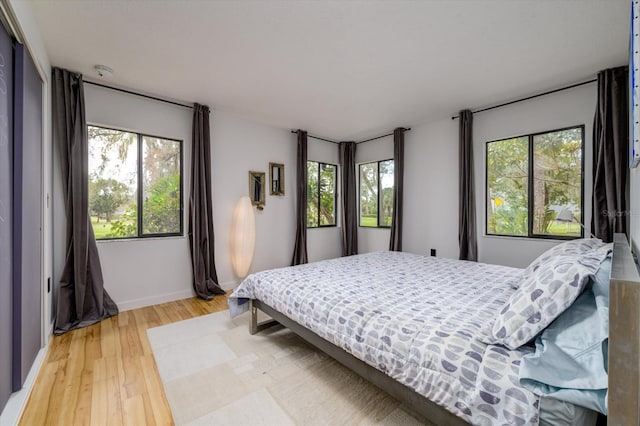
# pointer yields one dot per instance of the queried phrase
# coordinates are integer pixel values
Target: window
(376, 194)
(135, 184)
(321, 194)
(535, 185)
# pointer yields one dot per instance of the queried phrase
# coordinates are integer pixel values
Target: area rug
(215, 373)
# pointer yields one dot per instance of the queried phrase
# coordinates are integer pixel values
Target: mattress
(415, 318)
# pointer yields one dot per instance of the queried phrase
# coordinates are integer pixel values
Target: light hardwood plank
(106, 373)
(157, 399)
(134, 412)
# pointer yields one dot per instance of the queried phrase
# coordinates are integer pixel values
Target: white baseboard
(168, 297)
(154, 300)
(48, 333)
(18, 400)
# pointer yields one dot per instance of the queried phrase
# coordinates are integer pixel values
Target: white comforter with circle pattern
(416, 318)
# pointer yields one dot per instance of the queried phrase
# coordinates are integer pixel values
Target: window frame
(335, 195)
(530, 187)
(379, 193)
(140, 185)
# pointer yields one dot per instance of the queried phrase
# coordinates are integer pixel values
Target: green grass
(102, 229)
(559, 228)
(371, 221)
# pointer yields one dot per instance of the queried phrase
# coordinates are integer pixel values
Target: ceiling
(340, 69)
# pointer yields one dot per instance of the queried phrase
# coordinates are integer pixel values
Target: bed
(423, 329)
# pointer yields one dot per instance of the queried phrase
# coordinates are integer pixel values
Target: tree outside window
(128, 170)
(535, 185)
(321, 194)
(376, 194)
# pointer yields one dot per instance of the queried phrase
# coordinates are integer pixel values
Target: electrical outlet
(433, 252)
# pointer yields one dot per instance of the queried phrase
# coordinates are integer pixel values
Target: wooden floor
(105, 374)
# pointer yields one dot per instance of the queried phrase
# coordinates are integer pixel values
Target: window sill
(514, 238)
(129, 240)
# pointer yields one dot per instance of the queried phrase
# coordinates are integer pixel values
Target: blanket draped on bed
(415, 318)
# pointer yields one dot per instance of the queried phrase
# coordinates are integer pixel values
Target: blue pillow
(570, 360)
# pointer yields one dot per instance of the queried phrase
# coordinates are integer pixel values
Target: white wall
(373, 239)
(323, 243)
(431, 176)
(141, 272)
(431, 189)
(563, 109)
(237, 147)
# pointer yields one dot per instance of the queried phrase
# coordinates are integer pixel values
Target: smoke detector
(103, 71)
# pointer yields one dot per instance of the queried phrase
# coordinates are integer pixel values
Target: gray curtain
(82, 299)
(466, 196)
(610, 154)
(347, 157)
(395, 242)
(300, 246)
(201, 241)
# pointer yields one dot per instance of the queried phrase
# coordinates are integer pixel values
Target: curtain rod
(406, 129)
(532, 97)
(317, 137)
(139, 94)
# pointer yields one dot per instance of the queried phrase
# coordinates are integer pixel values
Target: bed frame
(624, 348)
(624, 336)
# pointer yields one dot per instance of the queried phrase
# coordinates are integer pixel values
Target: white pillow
(551, 288)
(577, 246)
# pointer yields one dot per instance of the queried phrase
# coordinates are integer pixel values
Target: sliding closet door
(6, 216)
(27, 295)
